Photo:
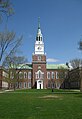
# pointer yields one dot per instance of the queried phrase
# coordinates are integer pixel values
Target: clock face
(39, 48)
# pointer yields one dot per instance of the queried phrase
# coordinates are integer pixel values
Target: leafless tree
(12, 63)
(76, 63)
(80, 45)
(6, 8)
(8, 44)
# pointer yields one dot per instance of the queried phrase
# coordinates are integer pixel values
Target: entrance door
(39, 84)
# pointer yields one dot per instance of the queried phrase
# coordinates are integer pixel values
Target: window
(25, 84)
(20, 75)
(20, 84)
(36, 38)
(49, 85)
(39, 57)
(39, 75)
(29, 75)
(62, 75)
(39, 38)
(11, 75)
(48, 75)
(29, 85)
(53, 75)
(57, 75)
(16, 85)
(25, 75)
(5, 74)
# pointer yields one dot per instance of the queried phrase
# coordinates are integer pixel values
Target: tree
(80, 45)
(6, 8)
(12, 63)
(8, 44)
(80, 48)
(76, 63)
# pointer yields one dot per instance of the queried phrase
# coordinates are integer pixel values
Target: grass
(40, 104)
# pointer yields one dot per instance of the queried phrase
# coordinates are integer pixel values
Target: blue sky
(61, 25)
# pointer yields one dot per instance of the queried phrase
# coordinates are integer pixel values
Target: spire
(39, 34)
(39, 30)
(38, 22)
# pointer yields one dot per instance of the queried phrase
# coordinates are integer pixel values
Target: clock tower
(39, 45)
(39, 62)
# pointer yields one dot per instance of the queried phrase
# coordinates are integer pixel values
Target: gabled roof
(56, 66)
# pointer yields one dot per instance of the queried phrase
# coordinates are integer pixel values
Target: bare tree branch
(76, 63)
(8, 44)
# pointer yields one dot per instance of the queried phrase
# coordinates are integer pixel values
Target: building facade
(3, 77)
(38, 74)
(74, 79)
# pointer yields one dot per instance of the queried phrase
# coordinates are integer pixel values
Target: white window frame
(53, 75)
(20, 84)
(25, 75)
(48, 75)
(25, 84)
(29, 84)
(57, 75)
(20, 75)
(29, 75)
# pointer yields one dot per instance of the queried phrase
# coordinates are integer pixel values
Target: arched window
(39, 38)
(53, 75)
(57, 75)
(36, 38)
(20, 75)
(29, 75)
(48, 75)
(39, 75)
(39, 57)
(25, 75)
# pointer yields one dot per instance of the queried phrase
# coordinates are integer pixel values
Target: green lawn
(40, 104)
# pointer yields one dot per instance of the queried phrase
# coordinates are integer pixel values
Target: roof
(4, 69)
(23, 66)
(56, 66)
(48, 66)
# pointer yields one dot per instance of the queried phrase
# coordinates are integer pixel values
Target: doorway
(39, 84)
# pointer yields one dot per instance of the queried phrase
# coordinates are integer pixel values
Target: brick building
(39, 74)
(74, 79)
(3, 77)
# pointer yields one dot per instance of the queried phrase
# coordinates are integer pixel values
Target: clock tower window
(39, 38)
(39, 58)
